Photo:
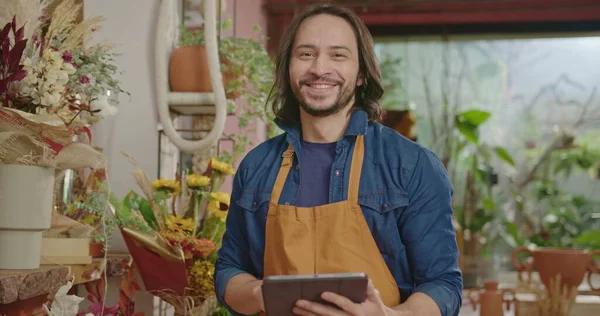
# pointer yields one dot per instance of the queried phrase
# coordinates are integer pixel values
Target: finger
(302, 312)
(319, 309)
(342, 302)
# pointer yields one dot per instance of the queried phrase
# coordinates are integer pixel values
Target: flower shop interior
(118, 146)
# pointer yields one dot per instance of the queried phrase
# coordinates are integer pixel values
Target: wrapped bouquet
(177, 225)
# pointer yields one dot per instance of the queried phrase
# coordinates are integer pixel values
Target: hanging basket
(26, 201)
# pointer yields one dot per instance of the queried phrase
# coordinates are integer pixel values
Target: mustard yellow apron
(331, 238)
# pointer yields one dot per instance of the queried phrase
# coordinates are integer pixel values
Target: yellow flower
(220, 205)
(201, 275)
(221, 166)
(173, 237)
(177, 223)
(171, 186)
(195, 181)
(90, 219)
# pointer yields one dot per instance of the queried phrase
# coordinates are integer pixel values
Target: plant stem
(197, 201)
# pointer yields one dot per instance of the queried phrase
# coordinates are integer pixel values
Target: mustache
(321, 79)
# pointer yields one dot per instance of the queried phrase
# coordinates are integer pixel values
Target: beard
(345, 95)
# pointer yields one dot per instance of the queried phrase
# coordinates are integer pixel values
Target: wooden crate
(58, 251)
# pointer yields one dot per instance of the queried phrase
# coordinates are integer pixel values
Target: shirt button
(287, 203)
(384, 206)
(253, 203)
(297, 166)
(337, 172)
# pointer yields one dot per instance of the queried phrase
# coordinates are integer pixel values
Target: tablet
(280, 293)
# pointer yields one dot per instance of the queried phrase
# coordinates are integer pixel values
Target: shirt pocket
(383, 202)
(254, 201)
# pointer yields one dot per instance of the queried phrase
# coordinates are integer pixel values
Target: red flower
(84, 79)
(67, 57)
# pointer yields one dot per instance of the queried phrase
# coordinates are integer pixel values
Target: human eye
(306, 54)
(338, 56)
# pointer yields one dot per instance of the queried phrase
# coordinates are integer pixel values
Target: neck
(328, 129)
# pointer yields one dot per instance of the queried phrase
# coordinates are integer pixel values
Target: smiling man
(339, 192)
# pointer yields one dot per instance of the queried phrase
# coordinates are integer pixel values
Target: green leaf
(474, 117)
(489, 204)
(147, 213)
(503, 154)
(470, 132)
(468, 124)
(134, 201)
(590, 239)
(514, 239)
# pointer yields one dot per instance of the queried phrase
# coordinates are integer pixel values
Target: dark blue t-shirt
(315, 172)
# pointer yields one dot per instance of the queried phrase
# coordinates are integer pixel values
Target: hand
(257, 295)
(372, 306)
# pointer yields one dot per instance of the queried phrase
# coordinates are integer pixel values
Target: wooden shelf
(19, 285)
(192, 103)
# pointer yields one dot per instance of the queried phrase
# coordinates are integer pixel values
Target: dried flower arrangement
(54, 85)
(182, 220)
(552, 301)
(49, 70)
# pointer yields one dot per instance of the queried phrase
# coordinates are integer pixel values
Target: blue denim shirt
(404, 193)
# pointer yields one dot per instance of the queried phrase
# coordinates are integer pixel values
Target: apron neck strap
(286, 165)
(355, 171)
(356, 168)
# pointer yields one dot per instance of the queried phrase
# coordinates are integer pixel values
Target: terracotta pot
(188, 71)
(490, 300)
(96, 250)
(571, 264)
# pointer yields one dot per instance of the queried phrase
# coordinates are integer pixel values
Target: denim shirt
(404, 193)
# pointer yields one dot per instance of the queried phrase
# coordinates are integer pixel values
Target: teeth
(322, 86)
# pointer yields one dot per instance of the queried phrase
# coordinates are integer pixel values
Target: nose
(320, 66)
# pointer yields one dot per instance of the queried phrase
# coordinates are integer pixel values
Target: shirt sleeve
(428, 233)
(233, 256)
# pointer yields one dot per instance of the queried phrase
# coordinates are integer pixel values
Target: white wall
(129, 24)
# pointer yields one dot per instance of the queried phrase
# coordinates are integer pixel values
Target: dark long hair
(284, 103)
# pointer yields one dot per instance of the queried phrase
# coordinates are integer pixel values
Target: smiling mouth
(321, 86)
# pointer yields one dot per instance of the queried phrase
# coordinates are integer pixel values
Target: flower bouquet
(173, 232)
(53, 85)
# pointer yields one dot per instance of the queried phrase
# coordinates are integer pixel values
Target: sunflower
(171, 186)
(220, 205)
(196, 181)
(177, 223)
(221, 166)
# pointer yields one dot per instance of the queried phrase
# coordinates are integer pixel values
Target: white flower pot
(26, 202)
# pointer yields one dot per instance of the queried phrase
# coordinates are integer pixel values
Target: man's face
(324, 68)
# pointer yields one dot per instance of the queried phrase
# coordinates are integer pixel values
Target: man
(339, 192)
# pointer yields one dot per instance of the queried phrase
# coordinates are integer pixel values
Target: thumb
(372, 292)
(257, 293)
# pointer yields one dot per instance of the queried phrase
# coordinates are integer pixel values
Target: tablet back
(280, 293)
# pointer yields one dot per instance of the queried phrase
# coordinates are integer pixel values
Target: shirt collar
(359, 121)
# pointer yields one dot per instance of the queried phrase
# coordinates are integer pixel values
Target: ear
(360, 80)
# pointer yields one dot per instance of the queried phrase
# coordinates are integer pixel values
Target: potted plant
(188, 64)
(249, 74)
(557, 229)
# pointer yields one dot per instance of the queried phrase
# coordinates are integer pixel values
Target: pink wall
(249, 13)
